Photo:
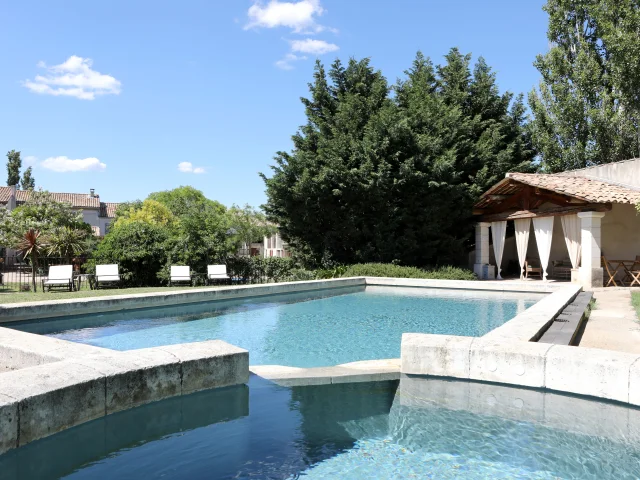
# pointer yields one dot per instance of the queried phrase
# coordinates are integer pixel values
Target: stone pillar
(591, 269)
(481, 266)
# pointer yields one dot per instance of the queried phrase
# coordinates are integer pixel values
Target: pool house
(579, 226)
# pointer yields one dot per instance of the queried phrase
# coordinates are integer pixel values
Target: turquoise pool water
(416, 428)
(304, 329)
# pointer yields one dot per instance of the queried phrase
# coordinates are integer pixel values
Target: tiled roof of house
(108, 209)
(593, 191)
(77, 200)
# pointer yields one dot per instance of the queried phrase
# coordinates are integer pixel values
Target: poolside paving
(613, 324)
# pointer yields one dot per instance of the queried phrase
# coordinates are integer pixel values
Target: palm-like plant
(31, 246)
(67, 242)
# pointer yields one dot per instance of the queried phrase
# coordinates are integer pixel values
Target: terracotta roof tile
(77, 200)
(108, 209)
(593, 191)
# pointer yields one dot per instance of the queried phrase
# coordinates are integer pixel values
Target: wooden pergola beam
(550, 212)
(528, 198)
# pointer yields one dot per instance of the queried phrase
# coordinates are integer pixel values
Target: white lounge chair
(217, 273)
(180, 274)
(107, 274)
(59, 276)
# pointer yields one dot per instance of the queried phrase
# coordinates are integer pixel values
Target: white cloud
(65, 164)
(73, 78)
(187, 167)
(286, 62)
(298, 16)
(313, 47)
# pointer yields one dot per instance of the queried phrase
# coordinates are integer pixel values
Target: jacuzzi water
(308, 329)
(416, 428)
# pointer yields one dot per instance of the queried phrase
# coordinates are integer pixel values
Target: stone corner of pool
(584, 371)
(44, 399)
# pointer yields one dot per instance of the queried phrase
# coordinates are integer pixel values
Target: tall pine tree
(14, 163)
(376, 177)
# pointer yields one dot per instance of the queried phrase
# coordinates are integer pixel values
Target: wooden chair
(611, 272)
(531, 269)
(634, 272)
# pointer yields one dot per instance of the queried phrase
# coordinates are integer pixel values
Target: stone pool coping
(74, 386)
(354, 372)
(592, 372)
(13, 312)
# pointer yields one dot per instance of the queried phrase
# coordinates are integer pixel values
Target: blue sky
(134, 97)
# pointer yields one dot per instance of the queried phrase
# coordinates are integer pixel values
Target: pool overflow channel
(568, 326)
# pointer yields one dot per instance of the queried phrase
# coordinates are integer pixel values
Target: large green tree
(587, 107)
(380, 178)
(14, 163)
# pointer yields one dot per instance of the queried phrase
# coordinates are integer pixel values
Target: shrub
(301, 275)
(259, 269)
(138, 248)
(397, 271)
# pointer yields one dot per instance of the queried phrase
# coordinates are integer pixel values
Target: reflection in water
(415, 428)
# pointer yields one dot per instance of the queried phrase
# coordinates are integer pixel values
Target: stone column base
(591, 277)
(575, 275)
(484, 271)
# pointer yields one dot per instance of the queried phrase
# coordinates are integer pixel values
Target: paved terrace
(613, 324)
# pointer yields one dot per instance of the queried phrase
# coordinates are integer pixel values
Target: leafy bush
(397, 271)
(301, 275)
(138, 248)
(259, 269)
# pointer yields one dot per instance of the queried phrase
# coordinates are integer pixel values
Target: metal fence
(17, 272)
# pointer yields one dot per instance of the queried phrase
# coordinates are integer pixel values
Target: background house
(94, 212)
(270, 246)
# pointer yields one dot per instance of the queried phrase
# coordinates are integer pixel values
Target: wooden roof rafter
(511, 195)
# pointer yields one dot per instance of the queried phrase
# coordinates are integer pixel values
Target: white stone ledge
(363, 371)
(534, 321)
(584, 371)
(80, 306)
(480, 285)
(39, 401)
(21, 349)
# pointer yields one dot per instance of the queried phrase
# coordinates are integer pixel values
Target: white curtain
(543, 226)
(572, 232)
(498, 233)
(523, 226)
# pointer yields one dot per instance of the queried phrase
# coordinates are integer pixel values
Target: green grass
(13, 296)
(635, 300)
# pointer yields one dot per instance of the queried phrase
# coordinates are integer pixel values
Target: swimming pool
(308, 329)
(414, 428)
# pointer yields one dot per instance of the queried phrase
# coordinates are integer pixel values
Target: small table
(80, 277)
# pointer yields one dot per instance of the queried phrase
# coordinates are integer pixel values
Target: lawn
(635, 300)
(12, 296)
